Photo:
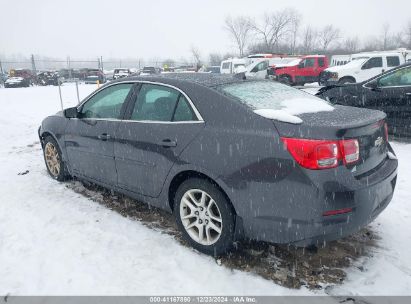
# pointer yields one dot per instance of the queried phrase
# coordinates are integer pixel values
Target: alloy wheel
(52, 159)
(201, 217)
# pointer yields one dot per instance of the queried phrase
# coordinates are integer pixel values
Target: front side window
(263, 65)
(308, 62)
(375, 62)
(107, 103)
(393, 61)
(401, 77)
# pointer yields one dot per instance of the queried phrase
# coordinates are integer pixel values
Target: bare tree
(214, 59)
(274, 27)
(328, 35)
(294, 27)
(351, 45)
(385, 36)
(309, 39)
(407, 32)
(196, 56)
(239, 29)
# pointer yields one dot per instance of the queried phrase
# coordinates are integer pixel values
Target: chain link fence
(71, 68)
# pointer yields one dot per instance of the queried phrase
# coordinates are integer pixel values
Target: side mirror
(373, 85)
(71, 113)
(301, 65)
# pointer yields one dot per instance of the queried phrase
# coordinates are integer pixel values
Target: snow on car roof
(204, 79)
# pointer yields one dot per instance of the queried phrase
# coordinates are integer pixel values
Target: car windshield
(270, 95)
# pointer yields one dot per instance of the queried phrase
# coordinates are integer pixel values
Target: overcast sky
(167, 28)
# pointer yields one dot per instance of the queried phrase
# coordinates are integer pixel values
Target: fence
(36, 64)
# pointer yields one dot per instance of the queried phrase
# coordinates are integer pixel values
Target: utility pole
(33, 65)
(1, 68)
(1, 73)
(68, 66)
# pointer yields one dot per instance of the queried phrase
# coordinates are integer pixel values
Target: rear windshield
(272, 95)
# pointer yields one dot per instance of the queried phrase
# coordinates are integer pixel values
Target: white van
(339, 60)
(258, 69)
(232, 65)
(363, 66)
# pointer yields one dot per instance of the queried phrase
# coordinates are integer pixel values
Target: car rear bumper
(301, 220)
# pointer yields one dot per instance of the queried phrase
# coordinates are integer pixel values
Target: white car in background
(364, 66)
(233, 65)
(258, 69)
(121, 73)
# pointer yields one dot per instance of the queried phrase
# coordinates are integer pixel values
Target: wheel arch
(348, 77)
(182, 176)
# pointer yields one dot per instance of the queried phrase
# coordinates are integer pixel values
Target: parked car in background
(210, 69)
(121, 73)
(232, 66)
(92, 80)
(29, 78)
(48, 78)
(261, 67)
(389, 92)
(303, 70)
(363, 66)
(231, 158)
(149, 70)
(72, 74)
(17, 82)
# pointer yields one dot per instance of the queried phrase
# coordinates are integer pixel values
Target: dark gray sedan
(231, 158)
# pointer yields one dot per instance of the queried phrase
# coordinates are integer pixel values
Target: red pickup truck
(303, 70)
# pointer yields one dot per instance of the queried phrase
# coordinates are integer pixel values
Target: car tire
(53, 159)
(285, 79)
(204, 216)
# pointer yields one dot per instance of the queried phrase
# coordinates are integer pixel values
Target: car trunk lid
(367, 126)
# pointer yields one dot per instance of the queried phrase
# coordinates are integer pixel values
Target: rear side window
(161, 103)
(155, 103)
(375, 62)
(183, 111)
(321, 62)
(393, 61)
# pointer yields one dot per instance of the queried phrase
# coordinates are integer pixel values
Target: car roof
(205, 79)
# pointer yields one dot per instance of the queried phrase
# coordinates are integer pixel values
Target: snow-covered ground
(55, 241)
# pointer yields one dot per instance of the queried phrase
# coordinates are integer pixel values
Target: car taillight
(322, 154)
(386, 131)
(350, 151)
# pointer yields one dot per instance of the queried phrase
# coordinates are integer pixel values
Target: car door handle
(104, 137)
(168, 143)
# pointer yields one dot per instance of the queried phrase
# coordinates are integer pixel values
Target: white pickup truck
(364, 66)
